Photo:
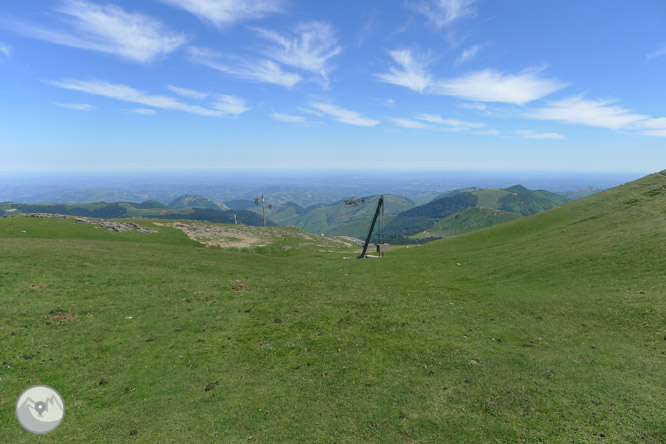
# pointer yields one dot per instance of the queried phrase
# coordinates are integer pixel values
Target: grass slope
(468, 220)
(550, 328)
(338, 218)
(196, 201)
(424, 222)
(148, 209)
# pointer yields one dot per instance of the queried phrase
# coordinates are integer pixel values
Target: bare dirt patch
(233, 236)
(36, 287)
(240, 287)
(59, 319)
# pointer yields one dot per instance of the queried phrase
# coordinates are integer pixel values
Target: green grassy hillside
(338, 218)
(468, 220)
(488, 197)
(550, 328)
(581, 192)
(424, 222)
(196, 201)
(148, 209)
(526, 202)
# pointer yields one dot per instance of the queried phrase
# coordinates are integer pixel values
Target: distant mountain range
(338, 218)
(196, 201)
(188, 207)
(581, 192)
(448, 214)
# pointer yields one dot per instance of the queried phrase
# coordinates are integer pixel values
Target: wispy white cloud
(436, 122)
(223, 107)
(314, 112)
(468, 54)
(142, 111)
(310, 47)
(344, 116)
(490, 132)
(76, 106)
(230, 105)
(287, 118)
(481, 86)
(370, 27)
(5, 50)
(580, 111)
(432, 118)
(656, 133)
(577, 110)
(227, 12)
(660, 51)
(475, 106)
(105, 28)
(409, 123)
(494, 86)
(532, 134)
(264, 71)
(441, 13)
(189, 93)
(411, 72)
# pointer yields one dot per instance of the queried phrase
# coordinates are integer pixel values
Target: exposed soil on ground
(244, 236)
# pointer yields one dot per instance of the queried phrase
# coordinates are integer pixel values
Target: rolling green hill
(424, 216)
(527, 202)
(196, 201)
(467, 220)
(338, 218)
(149, 209)
(581, 192)
(423, 222)
(549, 328)
(242, 204)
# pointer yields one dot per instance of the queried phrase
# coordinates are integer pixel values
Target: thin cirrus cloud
(474, 106)
(440, 123)
(75, 106)
(432, 118)
(254, 70)
(223, 106)
(5, 50)
(599, 113)
(142, 111)
(480, 86)
(468, 54)
(309, 47)
(660, 51)
(409, 123)
(287, 118)
(532, 134)
(104, 28)
(189, 93)
(411, 71)
(344, 116)
(442, 13)
(580, 111)
(223, 13)
(493, 86)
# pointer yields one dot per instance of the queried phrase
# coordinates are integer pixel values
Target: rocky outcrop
(117, 227)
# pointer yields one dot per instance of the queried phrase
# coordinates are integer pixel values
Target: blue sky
(414, 84)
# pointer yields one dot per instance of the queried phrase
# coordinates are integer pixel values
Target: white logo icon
(40, 409)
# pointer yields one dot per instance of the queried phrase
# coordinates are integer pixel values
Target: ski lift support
(380, 206)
